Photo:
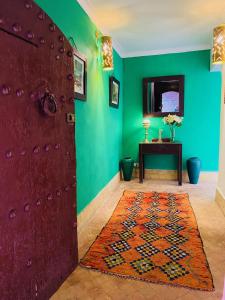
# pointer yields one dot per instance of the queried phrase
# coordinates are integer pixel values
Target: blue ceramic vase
(193, 168)
(127, 165)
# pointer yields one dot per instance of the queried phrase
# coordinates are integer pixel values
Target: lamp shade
(146, 123)
(107, 53)
(218, 52)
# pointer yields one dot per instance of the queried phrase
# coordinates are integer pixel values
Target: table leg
(143, 163)
(180, 167)
(140, 167)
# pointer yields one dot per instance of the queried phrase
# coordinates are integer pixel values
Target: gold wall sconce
(105, 50)
(218, 51)
(107, 53)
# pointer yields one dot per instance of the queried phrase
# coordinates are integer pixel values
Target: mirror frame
(146, 80)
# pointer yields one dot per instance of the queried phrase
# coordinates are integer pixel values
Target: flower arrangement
(173, 121)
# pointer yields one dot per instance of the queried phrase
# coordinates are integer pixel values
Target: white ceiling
(144, 27)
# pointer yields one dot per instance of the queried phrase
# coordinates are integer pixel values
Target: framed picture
(114, 92)
(80, 76)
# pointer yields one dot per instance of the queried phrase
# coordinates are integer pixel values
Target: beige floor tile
(85, 284)
(200, 296)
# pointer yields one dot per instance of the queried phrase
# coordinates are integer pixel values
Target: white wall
(221, 180)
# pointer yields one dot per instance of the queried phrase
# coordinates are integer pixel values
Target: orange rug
(152, 237)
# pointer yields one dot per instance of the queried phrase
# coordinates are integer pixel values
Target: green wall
(200, 131)
(98, 126)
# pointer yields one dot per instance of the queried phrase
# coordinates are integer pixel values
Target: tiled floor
(86, 284)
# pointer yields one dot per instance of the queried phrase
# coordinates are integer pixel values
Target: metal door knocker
(48, 104)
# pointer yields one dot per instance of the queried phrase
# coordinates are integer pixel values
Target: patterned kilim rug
(152, 237)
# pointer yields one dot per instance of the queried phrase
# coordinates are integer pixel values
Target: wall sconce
(218, 52)
(107, 53)
(146, 125)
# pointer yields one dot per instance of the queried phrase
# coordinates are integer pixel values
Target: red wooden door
(38, 242)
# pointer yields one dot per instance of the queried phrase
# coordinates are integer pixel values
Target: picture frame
(80, 76)
(114, 92)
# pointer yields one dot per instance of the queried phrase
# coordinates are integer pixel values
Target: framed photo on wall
(80, 76)
(114, 92)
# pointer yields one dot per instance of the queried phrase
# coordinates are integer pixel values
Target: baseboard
(220, 200)
(89, 211)
(155, 174)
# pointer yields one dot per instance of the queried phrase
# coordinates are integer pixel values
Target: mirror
(163, 95)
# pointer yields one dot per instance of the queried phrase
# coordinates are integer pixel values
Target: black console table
(160, 148)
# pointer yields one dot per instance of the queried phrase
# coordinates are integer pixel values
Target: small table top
(162, 143)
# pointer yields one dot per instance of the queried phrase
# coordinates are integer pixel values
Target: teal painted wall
(200, 131)
(98, 126)
(102, 131)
